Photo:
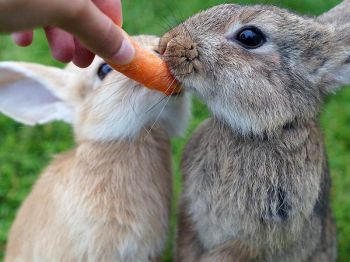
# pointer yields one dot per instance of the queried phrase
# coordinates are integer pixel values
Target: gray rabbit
(256, 180)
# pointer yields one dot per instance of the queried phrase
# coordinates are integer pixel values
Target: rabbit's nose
(180, 53)
(191, 52)
(180, 47)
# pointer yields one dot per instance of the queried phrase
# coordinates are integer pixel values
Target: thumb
(99, 34)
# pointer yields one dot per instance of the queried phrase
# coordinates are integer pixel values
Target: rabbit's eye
(104, 70)
(250, 37)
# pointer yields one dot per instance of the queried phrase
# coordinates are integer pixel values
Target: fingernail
(125, 54)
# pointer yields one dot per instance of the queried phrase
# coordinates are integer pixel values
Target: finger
(112, 8)
(82, 56)
(61, 44)
(99, 34)
(23, 38)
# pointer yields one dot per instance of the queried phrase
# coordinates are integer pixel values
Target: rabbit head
(101, 103)
(258, 68)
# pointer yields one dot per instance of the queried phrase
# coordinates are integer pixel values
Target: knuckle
(76, 10)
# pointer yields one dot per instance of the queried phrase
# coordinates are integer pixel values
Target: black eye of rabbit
(104, 70)
(250, 37)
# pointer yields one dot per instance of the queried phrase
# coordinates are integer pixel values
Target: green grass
(25, 151)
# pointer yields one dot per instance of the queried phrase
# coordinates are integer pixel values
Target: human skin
(75, 29)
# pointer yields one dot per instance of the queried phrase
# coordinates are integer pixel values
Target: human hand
(75, 29)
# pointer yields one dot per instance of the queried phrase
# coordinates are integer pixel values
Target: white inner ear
(28, 101)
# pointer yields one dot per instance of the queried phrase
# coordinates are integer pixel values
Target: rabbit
(255, 175)
(108, 199)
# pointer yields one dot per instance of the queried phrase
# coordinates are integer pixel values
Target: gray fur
(270, 194)
(256, 180)
(339, 15)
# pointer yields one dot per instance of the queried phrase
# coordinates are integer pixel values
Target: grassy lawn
(24, 151)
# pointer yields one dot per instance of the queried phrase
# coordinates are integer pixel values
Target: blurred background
(25, 151)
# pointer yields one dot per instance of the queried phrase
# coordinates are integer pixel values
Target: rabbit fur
(108, 199)
(255, 176)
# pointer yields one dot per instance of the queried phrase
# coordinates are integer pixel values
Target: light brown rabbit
(256, 180)
(108, 199)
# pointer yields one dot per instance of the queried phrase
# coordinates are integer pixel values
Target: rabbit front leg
(188, 248)
(328, 248)
(234, 250)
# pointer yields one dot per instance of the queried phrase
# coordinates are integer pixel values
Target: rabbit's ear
(339, 15)
(337, 66)
(339, 18)
(35, 94)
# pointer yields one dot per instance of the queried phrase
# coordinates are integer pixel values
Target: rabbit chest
(114, 203)
(258, 190)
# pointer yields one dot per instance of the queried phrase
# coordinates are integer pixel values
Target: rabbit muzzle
(181, 53)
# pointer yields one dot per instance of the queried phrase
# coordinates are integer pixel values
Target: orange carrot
(149, 70)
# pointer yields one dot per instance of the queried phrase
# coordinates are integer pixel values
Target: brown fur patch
(93, 199)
